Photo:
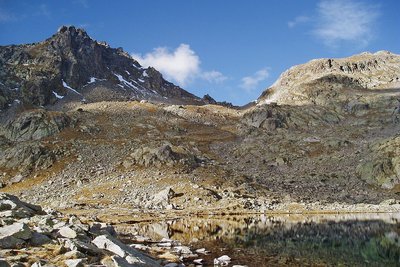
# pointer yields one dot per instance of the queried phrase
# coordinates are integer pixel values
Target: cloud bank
(181, 65)
(345, 20)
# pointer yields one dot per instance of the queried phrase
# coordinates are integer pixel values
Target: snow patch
(58, 96)
(70, 88)
(136, 67)
(128, 72)
(17, 101)
(144, 74)
(92, 80)
(141, 80)
(121, 79)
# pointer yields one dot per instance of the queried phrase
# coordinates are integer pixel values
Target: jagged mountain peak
(71, 30)
(362, 71)
(71, 66)
(70, 36)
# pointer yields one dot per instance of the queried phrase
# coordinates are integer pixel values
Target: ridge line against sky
(230, 51)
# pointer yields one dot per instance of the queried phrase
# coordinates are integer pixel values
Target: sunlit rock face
(322, 80)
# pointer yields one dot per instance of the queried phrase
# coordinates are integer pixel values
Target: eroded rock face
(35, 125)
(384, 167)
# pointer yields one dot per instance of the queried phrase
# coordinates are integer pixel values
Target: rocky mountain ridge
(71, 66)
(365, 71)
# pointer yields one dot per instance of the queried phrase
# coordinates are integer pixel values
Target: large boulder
(162, 199)
(130, 255)
(14, 235)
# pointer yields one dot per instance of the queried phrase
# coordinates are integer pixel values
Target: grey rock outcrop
(383, 168)
(163, 155)
(272, 117)
(26, 157)
(35, 125)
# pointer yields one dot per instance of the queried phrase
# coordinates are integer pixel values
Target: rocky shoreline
(32, 236)
(122, 215)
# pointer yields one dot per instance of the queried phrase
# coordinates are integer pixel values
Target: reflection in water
(323, 240)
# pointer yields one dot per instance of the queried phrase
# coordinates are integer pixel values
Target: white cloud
(298, 20)
(181, 65)
(345, 20)
(251, 82)
(213, 76)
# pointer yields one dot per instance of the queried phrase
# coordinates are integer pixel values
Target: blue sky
(231, 49)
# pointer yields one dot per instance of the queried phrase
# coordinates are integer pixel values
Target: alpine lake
(371, 239)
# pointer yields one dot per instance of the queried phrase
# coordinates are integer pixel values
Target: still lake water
(287, 240)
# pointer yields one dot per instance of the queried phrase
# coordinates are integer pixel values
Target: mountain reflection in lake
(287, 240)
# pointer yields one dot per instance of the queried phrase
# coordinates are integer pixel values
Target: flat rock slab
(67, 232)
(17, 230)
(131, 255)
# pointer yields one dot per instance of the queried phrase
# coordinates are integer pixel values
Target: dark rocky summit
(70, 66)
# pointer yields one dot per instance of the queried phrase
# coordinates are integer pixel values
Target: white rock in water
(202, 251)
(223, 260)
(67, 232)
(165, 245)
(198, 261)
(140, 247)
(182, 250)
